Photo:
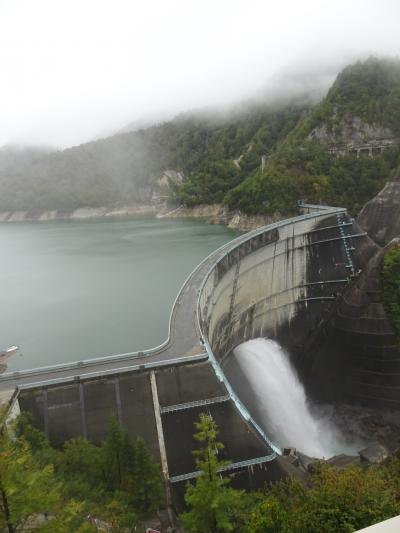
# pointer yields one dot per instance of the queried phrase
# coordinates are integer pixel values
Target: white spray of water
(282, 404)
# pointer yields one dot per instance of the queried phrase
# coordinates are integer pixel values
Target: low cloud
(71, 70)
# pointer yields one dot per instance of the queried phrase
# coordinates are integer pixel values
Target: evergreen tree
(79, 466)
(111, 456)
(128, 460)
(129, 467)
(147, 481)
(212, 503)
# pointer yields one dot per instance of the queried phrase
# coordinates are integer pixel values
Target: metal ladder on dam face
(347, 248)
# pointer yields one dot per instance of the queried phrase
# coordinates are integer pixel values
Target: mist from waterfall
(282, 405)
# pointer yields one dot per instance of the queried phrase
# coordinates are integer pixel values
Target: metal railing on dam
(258, 287)
(276, 281)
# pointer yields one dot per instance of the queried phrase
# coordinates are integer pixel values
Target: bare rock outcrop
(219, 214)
(350, 130)
(380, 217)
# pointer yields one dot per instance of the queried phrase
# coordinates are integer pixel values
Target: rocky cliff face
(219, 214)
(356, 356)
(350, 130)
(380, 217)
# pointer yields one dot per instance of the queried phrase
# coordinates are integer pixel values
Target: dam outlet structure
(280, 281)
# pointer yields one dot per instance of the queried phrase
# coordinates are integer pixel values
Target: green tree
(270, 516)
(148, 490)
(129, 467)
(26, 488)
(118, 482)
(120, 513)
(112, 457)
(82, 458)
(212, 503)
(334, 502)
(69, 518)
(79, 466)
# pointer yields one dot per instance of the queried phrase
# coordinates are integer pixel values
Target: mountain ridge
(258, 158)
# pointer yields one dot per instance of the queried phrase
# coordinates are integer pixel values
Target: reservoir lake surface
(73, 290)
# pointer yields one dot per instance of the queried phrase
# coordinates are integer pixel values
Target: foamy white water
(282, 402)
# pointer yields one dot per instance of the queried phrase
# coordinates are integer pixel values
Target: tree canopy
(332, 501)
(117, 482)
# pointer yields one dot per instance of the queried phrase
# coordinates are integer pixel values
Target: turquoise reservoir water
(74, 290)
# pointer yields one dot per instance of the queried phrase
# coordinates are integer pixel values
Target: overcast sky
(71, 70)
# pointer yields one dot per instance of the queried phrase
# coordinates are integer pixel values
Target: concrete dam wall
(282, 283)
(279, 281)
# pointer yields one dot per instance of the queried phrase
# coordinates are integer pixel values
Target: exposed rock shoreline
(214, 214)
(219, 214)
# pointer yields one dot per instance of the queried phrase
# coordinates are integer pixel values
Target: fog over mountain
(257, 156)
(73, 71)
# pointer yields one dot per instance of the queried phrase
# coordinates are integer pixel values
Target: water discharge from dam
(282, 404)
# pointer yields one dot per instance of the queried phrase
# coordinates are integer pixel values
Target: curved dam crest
(279, 282)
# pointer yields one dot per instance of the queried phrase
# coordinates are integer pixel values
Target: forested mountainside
(125, 168)
(221, 154)
(216, 153)
(99, 173)
(318, 161)
(15, 158)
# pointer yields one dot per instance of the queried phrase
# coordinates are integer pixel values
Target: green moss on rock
(391, 285)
